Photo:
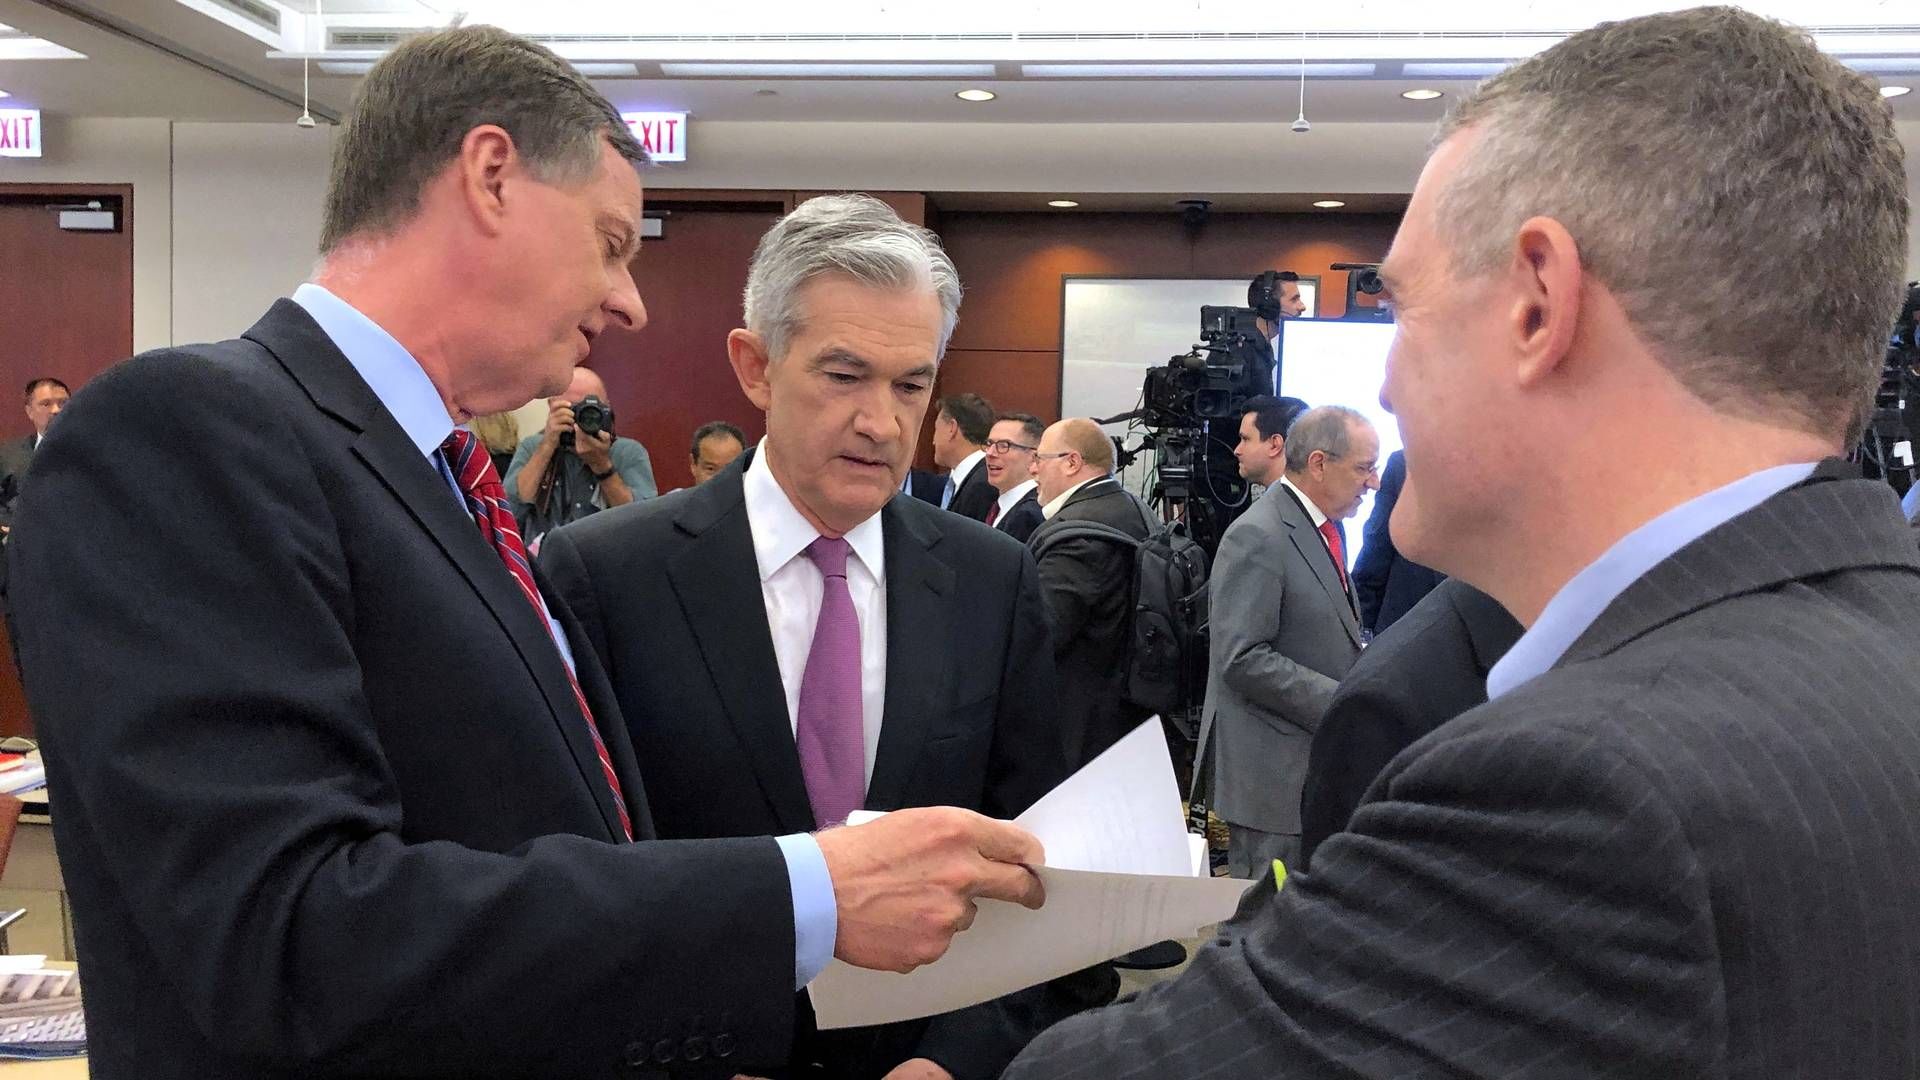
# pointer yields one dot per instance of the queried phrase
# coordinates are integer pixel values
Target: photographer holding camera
(577, 466)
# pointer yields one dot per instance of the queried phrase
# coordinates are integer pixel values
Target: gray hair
(415, 107)
(1328, 429)
(855, 235)
(1699, 159)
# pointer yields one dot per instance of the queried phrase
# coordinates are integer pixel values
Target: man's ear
(1545, 278)
(748, 355)
(487, 155)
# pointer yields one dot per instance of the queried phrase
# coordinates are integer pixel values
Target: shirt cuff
(816, 918)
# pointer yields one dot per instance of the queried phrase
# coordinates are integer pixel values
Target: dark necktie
(993, 513)
(487, 502)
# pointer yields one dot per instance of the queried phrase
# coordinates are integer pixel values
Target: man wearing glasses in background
(1010, 448)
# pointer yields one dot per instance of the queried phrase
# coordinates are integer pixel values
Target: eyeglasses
(1008, 446)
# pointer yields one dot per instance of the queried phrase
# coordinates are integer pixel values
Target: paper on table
(1119, 876)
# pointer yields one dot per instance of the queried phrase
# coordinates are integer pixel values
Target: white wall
(246, 221)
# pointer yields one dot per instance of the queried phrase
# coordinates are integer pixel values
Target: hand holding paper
(906, 883)
(1119, 875)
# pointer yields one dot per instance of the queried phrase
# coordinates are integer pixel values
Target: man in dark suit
(924, 484)
(1086, 577)
(1679, 839)
(951, 686)
(1010, 448)
(1387, 583)
(1282, 633)
(46, 396)
(340, 787)
(1430, 669)
(961, 425)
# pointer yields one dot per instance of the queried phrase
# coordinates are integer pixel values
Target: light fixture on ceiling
(3, 93)
(1420, 95)
(976, 95)
(1329, 204)
(607, 71)
(306, 74)
(825, 71)
(1895, 91)
(1300, 126)
(1062, 204)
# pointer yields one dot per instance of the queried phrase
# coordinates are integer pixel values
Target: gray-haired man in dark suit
(1679, 840)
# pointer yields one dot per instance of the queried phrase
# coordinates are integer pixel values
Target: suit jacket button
(636, 1054)
(665, 1051)
(694, 1049)
(723, 1045)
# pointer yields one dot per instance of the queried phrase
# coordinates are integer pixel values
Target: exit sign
(19, 132)
(664, 134)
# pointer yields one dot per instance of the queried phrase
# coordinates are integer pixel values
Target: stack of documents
(40, 1011)
(20, 773)
(1121, 874)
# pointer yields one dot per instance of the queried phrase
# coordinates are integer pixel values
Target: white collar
(1010, 498)
(1313, 509)
(964, 470)
(1060, 501)
(781, 532)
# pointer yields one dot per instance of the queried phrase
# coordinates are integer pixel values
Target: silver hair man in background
(1679, 841)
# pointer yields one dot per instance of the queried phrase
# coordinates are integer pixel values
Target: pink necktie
(828, 732)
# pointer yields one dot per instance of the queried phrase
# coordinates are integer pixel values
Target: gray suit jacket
(1688, 851)
(1282, 634)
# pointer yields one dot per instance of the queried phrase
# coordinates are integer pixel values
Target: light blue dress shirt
(397, 379)
(1582, 600)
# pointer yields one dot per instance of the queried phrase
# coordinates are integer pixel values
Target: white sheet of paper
(1119, 875)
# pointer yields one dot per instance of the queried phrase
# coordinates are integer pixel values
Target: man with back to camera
(961, 425)
(1010, 449)
(564, 474)
(1679, 840)
(1087, 583)
(715, 445)
(46, 396)
(1283, 630)
(355, 821)
(791, 642)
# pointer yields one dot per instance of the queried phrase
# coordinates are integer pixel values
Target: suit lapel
(330, 380)
(1831, 522)
(918, 589)
(1313, 550)
(718, 583)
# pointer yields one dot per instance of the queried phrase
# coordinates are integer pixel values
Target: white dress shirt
(1009, 499)
(792, 588)
(1059, 501)
(962, 472)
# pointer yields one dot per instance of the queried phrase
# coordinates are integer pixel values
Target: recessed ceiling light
(3, 93)
(1329, 204)
(1062, 204)
(976, 95)
(1895, 91)
(606, 71)
(1419, 95)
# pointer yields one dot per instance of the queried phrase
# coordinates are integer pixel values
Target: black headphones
(1263, 293)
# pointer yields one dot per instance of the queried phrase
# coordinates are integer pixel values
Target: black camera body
(1231, 364)
(591, 416)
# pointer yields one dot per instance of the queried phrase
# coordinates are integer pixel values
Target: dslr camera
(591, 416)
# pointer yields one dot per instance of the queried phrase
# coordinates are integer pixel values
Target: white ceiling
(165, 58)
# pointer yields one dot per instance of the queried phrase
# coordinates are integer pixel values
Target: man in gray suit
(1284, 629)
(1679, 840)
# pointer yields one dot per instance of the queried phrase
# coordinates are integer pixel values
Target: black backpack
(1166, 654)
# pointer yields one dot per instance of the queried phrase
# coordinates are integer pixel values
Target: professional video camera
(1896, 404)
(1231, 363)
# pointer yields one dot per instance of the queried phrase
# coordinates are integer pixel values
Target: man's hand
(594, 450)
(905, 884)
(918, 1069)
(559, 421)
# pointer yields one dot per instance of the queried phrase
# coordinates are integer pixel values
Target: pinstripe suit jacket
(1691, 850)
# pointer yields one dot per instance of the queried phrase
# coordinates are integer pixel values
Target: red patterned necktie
(487, 502)
(993, 513)
(1335, 548)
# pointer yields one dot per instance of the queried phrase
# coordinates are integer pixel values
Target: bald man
(1085, 579)
(560, 476)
